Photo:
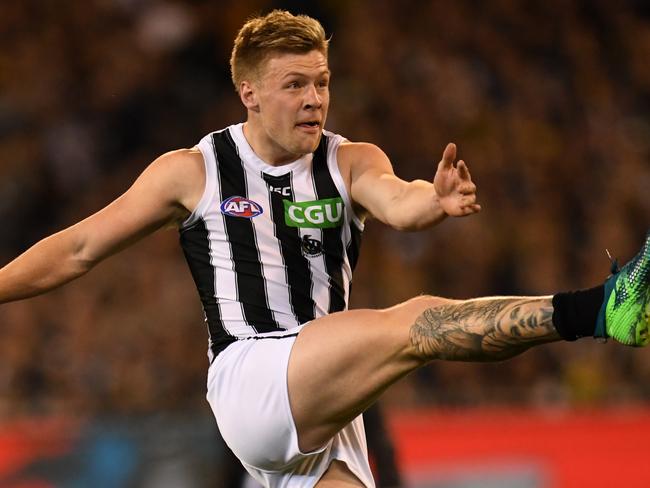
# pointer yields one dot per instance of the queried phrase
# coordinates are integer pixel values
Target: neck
(267, 149)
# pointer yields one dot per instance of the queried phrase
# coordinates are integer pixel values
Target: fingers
(468, 200)
(460, 205)
(463, 171)
(467, 188)
(447, 162)
(468, 205)
(471, 209)
(465, 210)
(448, 156)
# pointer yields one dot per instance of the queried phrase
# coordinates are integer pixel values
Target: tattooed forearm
(485, 329)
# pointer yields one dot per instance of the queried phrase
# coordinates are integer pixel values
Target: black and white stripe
(253, 274)
(298, 273)
(251, 289)
(332, 244)
(196, 247)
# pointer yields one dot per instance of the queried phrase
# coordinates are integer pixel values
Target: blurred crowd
(546, 100)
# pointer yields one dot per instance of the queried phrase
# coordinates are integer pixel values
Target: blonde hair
(277, 32)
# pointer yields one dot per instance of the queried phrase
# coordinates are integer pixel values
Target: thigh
(341, 363)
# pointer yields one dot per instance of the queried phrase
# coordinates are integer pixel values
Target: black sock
(575, 312)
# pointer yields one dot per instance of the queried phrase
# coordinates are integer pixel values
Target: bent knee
(411, 309)
(408, 312)
(427, 301)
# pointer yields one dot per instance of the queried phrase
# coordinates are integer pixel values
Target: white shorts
(247, 390)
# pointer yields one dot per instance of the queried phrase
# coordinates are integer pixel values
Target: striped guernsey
(269, 247)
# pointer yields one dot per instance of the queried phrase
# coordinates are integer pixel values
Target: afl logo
(241, 207)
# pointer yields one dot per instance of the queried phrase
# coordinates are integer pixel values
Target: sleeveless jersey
(269, 247)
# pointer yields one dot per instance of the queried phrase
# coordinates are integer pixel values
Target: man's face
(292, 98)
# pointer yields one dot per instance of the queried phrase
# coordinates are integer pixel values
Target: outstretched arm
(162, 195)
(411, 205)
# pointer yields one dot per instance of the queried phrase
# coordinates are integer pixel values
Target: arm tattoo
(485, 329)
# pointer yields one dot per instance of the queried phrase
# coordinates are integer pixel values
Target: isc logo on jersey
(241, 207)
(316, 214)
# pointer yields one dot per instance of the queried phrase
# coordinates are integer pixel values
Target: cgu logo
(241, 207)
(316, 214)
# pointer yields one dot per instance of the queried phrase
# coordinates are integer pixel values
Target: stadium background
(102, 382)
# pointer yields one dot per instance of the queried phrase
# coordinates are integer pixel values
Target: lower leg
(483, 329)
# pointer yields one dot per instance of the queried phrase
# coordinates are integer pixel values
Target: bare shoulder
(190, 160)
(182, 175)
(359, 150)
(355, 158)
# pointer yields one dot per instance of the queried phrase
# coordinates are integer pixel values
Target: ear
(248, 96)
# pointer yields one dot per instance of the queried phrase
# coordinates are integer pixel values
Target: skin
(293, 89)
(327, 359)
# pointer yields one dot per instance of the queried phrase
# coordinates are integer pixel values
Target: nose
(312, 98)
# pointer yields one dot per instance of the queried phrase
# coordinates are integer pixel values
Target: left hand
(454, 187)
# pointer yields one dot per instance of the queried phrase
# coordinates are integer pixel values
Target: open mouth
(309, 124)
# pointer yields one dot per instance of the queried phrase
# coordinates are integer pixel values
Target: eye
(293, 84)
